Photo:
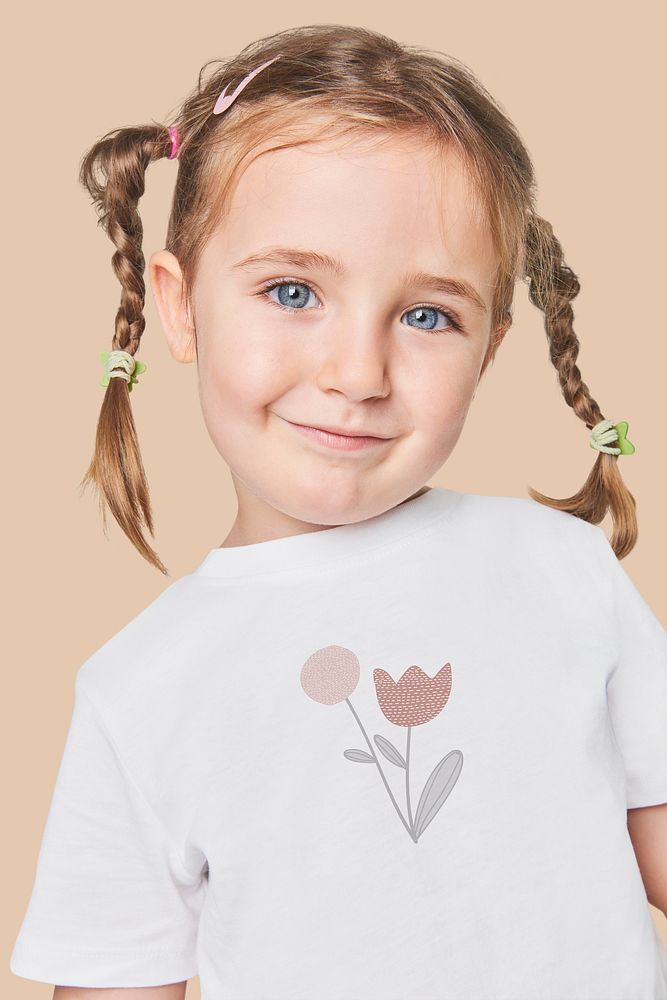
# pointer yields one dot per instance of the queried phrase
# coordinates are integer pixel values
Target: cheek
(444, 390)
(240, 373)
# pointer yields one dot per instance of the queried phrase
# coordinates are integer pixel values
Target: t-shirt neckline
(343, 541)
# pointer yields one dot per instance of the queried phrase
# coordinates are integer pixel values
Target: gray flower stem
(407, 826)
(407, 778)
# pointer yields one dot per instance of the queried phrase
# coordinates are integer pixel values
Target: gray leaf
(360, 756)
(443, 778)
(390, 751)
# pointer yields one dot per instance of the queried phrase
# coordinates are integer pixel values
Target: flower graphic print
(331, 674)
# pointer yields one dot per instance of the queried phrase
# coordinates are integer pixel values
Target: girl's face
(353, 334)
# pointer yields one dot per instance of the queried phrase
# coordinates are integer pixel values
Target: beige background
(584, 86)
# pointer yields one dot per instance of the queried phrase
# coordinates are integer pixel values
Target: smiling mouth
(343, 442)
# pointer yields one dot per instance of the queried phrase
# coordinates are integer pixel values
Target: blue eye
(293, 295)
(290, 294)
(428, 314)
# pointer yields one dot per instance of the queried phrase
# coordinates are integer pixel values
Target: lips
(349, 441)
(343, 431)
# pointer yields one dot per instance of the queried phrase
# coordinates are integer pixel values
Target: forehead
(377, 204)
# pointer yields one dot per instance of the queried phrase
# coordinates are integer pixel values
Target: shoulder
(144, 688)
(148, 653)
(544, 557)
(525, 518)
(525, 533)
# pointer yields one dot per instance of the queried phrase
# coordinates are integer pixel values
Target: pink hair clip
(224, 99)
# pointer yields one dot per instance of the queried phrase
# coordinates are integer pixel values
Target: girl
(385, 741)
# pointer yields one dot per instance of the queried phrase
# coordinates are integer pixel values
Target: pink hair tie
(224, 99)
(175, 141)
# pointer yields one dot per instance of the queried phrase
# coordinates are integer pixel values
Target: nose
(356, 361)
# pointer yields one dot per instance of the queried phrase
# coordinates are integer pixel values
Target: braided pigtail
(121, 159)
(552, 287)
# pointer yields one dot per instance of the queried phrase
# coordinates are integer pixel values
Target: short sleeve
(112, 904)
(637, 684)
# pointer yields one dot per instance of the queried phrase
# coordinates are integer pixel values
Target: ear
(495, 340)
(168, 288)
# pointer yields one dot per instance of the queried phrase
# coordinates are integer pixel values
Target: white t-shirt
(389, 760)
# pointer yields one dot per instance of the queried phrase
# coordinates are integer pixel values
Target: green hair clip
(125, 367)
(605, 432)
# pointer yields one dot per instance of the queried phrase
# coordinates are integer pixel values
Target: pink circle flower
(330, 675)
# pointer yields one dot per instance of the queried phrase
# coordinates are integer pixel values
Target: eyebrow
(314, 260)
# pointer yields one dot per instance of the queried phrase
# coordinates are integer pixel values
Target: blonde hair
(331, 80)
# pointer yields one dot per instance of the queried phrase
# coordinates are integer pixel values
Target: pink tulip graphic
(414, 699)
(331, 674)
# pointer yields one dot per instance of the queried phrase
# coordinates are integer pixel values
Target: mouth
(331, 438)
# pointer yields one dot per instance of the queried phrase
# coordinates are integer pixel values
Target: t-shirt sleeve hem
(646, 796)
(95, 969)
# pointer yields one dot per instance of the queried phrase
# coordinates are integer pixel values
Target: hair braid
(116, 468)
(552, 287)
